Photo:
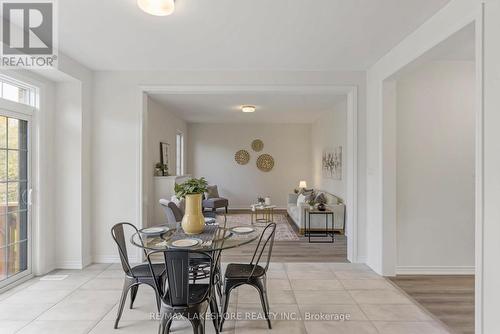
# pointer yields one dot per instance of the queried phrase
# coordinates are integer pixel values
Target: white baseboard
(435, 270)
(361, 259)
(69, 264)
(113, 259)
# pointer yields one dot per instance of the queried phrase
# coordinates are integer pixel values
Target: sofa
(297, 214)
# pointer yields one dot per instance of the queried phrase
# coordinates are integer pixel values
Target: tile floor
(304, 298)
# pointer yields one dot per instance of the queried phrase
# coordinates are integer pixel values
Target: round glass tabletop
(212, 238)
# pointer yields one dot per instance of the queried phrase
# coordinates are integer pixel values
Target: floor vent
(53, 277)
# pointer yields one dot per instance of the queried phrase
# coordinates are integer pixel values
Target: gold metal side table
(266, 211)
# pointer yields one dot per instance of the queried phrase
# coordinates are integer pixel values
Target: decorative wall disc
(242, 157)
(265, 162)
(257, 145)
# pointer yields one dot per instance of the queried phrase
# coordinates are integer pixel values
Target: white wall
(162, 126)
(435, 168)
(116, 133)
(211, 152)
(328, 132)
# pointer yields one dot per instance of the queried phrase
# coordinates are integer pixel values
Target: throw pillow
(212, 192)
(320, 198)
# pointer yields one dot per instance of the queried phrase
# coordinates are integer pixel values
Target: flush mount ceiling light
(157, 7)
(248, 108)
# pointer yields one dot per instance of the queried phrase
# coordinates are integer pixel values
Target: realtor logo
(28, 34)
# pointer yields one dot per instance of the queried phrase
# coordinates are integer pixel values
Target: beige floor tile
(37, 297)
(126, 327)
(394, 312)
(331, 312)
(16, 312)
(278, 327)
(367, 284)
(282, 312)
(379, 297)
(250, 295)
(76, 311)
(103, 284)
(321, 267)
(111, 273)
(277, 274)
(310, 275)
(410, 328)
(347, 266)
(10, 327)
(52, 327)
(94, 297)
(323, 297)
(356, 274)
(340, 327)
(278, 284)
(321, 285)
(70, 283)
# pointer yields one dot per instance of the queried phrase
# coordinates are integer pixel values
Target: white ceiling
(238, 34)
(271, 107)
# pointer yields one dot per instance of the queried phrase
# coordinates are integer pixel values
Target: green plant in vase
(311, 203)
(192, 190)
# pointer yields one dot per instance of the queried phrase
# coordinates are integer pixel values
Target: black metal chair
(134, 276)
(180, 297)
(253, 274)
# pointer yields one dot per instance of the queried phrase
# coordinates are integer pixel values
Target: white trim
(435, 270)
(114, 259)
(70, 264)
(352, 125)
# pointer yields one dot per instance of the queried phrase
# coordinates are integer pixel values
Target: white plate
(242, 230)
(210, 220)
(154, 230)
(184, 243)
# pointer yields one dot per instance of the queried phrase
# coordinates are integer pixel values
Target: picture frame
(164, 153)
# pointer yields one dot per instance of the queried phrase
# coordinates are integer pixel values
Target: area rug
(284, 231)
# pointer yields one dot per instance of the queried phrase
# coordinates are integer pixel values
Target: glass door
(14, 202)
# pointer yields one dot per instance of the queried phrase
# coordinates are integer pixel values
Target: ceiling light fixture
(157, 7)
(248, 108)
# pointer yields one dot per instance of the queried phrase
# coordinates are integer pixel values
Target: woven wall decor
(257, 145)
(265, 162)
(242, 157)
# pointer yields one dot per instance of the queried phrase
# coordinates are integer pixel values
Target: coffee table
(266, 211)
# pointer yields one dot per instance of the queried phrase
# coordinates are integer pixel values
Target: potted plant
(261, 200)
(192, 190)
(311, 203)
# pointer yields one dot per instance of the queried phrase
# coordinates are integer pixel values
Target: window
(13, 90)
(179, 154)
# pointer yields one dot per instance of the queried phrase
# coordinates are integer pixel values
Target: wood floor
(449, 298)
(293, 251)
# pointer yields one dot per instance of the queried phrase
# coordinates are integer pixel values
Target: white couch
(298, 215)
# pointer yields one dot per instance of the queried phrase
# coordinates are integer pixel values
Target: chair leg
(226, 209)
(166, 319)
(126, 286)
(133, 294)
(264, 302)
(214, 310)
(198, 325)
(225, 305)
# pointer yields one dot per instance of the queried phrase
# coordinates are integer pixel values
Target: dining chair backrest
(118, 234)
(266, 241)
(176, 263)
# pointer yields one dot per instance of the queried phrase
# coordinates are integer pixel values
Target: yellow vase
(193, 221)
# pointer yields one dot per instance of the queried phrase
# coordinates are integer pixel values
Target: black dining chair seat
(197, 293)
(243, 270)
(142, 270)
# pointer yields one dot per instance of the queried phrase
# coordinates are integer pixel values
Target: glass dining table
(213, 238)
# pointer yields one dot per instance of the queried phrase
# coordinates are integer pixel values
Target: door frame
(351, 93)
(23, 112)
